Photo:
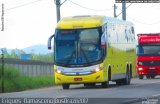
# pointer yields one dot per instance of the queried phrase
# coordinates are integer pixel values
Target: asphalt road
(146, 91)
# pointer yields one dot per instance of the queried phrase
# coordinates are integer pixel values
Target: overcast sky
(31, 22)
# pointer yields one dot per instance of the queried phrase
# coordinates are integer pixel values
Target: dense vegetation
(14, 81)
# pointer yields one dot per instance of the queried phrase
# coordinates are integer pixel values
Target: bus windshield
(148, 50)
(78, 47)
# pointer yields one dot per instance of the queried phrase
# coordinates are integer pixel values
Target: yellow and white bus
(93, 49)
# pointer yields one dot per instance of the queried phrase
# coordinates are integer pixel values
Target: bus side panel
(121, 49)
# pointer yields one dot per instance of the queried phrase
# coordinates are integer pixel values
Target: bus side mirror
(49, 42)
(103, 43)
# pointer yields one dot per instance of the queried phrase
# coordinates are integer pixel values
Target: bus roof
(86, 21)
(80, 22)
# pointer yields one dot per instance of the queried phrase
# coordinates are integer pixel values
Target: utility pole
(115, 7)
(2, 76)
(123, 9)
(58, 4)
(2, 18)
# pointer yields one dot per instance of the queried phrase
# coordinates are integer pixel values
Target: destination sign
(149, 39)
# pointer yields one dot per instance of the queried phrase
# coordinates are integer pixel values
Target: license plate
(77, 79)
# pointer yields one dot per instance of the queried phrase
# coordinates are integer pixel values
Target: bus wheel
(119, 82)
(105, 84)
(89, 84)
(152, 76)
(127, 80)
(140, 76)
(65, 86)
(148, 76)
(86, 84)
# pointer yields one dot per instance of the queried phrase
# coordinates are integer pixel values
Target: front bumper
(148, 70)
(78, 79)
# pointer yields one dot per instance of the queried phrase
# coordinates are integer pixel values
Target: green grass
(14, 81)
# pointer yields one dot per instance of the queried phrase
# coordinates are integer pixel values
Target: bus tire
(65, 86)
(152, 76)
(140, 76)
(109, 74)
(148, 76)
(131, 71)
(127, 80)
(89, 84)
(105, 84)
(86, 85)
(119, 82)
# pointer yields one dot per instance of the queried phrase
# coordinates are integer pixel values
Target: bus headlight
(140, 68)
(59, 71)
(97, 69)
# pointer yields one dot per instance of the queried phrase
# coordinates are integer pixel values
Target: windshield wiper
(85, 56)
(69, 58)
